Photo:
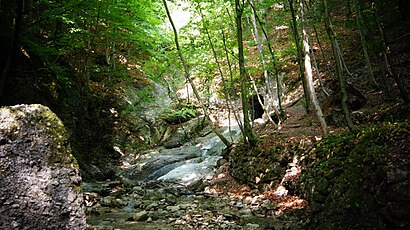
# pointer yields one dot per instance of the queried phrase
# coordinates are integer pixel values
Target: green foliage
(180, 114)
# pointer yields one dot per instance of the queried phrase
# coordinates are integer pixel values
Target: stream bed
(170, 189)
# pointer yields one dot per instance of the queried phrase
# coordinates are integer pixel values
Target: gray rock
(141, 216)
(111, 201)
(251, 226)
(268, 205)
(246, 212)
(152, 206)
(39, 177)
(173, 208)
(248, 200)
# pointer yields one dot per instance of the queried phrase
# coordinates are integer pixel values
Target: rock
(246, 212)
(39, 177)
(268, 205)
(141, 216)
(173, 208)
(221, 162)
(152, 206)
(110, 201)
(248, 200)
(251, 226)
(138, 190)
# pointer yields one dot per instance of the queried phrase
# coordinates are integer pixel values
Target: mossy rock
(39, 177)
(357, 185)
(180, 114)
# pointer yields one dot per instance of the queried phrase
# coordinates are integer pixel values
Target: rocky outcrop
(39, 178)
(262, 169)
(359, 182)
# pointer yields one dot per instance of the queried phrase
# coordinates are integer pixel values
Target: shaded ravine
(174, 189)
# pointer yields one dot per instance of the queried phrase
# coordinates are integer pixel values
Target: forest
(214, 114)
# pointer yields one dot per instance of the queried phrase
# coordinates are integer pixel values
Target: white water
(202, 167)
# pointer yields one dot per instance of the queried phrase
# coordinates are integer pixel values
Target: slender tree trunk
(9, 67)
(89, 47)
(228, 60)
(300, 54)
(260, 50)
(319, 76)
(387, 60)
(232, 87)
(309, 74)
(260, 102)
(188, 77)
(269, 97)
(339, 69)
(321, 51)
(224, 85)
(247, 129)
(359, 21)
(279, 112)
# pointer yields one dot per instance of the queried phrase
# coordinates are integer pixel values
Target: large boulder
(39, 178)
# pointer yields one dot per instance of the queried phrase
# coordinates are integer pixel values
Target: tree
(268, 100)
(387, 59)
(308, 75)
(249, 137)
(188, 78)
(363, 41)
(300, 53)
(339, 68)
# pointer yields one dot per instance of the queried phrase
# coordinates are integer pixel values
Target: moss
(351, 172)
(44, 120)
(182, 113)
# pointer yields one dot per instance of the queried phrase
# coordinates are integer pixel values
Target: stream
(169, 189)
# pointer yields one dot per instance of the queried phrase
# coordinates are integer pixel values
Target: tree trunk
(268, 102)
(8, 68)
(300, 54)
(359, 21)
(321, 51)
(231, 88)
(319, 76)
(224, 85)
(247, 130)
(339, 69)
(387, 59)
(308, 75)
(188, 77)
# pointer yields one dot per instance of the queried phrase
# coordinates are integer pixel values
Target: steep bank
(349, 181)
